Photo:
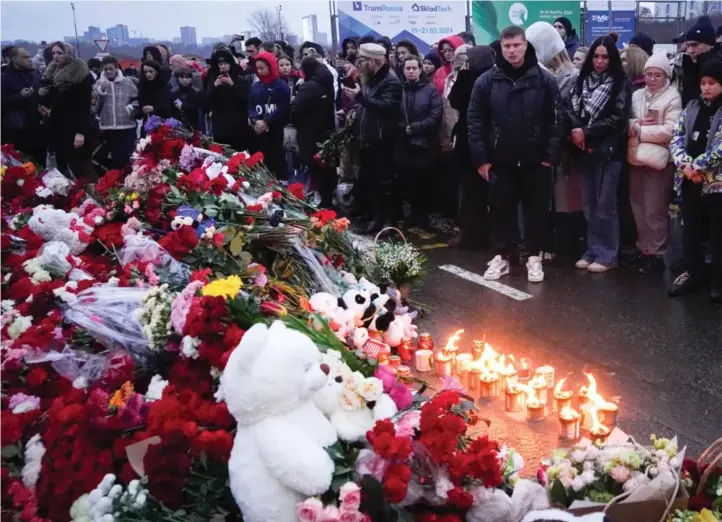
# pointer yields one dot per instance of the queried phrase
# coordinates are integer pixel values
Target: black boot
(683, 285)
(715, 290)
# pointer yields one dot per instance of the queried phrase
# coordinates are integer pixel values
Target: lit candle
(404, 371)
(539, 385)
(599, 434)
(406, 349)
(477, 349)
(514, 398)
(569, 422)
(488, 385)
(524, 369)
(394, 361)
(608, 415)
(425, 342)
(443, 365)
(473, 379)
(424, 360)
(534, 409)
(562, 398)
(463, 361)
(547, 372)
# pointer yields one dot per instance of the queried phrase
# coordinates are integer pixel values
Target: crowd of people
(528, 144)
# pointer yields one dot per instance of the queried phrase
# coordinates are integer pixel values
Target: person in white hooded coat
(655, 111)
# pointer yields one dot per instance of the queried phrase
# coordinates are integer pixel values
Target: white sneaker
(534, 272)
(582, 263)
(599, 268)
(497, 267)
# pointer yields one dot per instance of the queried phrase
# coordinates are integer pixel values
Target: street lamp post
(280, 21)
(75, 23)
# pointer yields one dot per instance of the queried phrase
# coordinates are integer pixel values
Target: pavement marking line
(434, 246)
(508, 291)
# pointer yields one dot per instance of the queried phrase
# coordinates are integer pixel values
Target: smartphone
(653, 113)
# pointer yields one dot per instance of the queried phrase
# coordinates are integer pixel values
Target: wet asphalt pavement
(662, 357)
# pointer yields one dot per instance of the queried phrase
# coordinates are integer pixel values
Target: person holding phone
(227, 96)
(655, 111)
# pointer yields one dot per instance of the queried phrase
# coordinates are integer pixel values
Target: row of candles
(487, 375)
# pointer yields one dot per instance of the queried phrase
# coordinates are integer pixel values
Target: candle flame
(597, 427)
(568, 413)
(558, 388)
(538, 382)
(593, 396)
(451, 343)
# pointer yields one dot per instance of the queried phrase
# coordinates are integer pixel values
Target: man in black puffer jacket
(379, 105)
(515, 136)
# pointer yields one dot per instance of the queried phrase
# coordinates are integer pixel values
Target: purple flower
(153, 123)
(172, 123)
(188, 158)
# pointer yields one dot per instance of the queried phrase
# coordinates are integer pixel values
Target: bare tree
(269, 24)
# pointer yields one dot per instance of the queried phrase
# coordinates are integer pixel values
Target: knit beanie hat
(372, 51)
(644, 41)
(713, 69)
(566, 23)
(660, 61)
(545, 39)
(434, 58)
(701, 32)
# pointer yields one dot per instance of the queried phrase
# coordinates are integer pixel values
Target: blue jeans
(600, 181)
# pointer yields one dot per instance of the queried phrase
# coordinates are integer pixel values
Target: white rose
(354, 381)
(588, 477)
(578, 483)
(350, 400)
(578, 456)
(371, 389)
(18, 326)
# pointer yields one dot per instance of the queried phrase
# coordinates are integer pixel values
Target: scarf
(596, 91)
(65, 76)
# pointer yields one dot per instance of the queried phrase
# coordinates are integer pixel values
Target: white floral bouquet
(400, 263)
(601, 473)
(155, 316)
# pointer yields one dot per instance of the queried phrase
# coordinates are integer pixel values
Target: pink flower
(351, 516)
(350, 497)
(620, 474)
(330, 514)
(153, 279)
(368, 463)
(310, 510)
(408, 424)
(386, 375)
(182, 305)
(401, 395)
(541, 476)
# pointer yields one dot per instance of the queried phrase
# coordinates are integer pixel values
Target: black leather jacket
(380, 106)
(515, 122)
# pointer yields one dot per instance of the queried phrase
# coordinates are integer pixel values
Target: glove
(130, 109)
(178, 104)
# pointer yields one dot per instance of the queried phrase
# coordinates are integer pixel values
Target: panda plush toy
(356, 303)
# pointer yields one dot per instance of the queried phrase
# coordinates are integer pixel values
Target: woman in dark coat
(312, 114)
(415, 150)
(268, 113)
(187, 99)
(473, 189)
(227, 101)
(153, 92)
(65, 99)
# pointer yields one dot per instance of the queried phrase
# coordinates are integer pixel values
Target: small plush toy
(356, 302)
(57, 225)
(351, 402)
(399, 328)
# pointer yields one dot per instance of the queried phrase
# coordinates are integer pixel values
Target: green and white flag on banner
(489, 19)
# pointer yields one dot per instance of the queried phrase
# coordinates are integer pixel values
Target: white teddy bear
(278, 456)
(57, 225)
(344, 400)
(399, 328)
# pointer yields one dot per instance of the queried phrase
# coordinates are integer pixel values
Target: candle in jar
(562, 399)
(599, 433)
(524, 369)
(507, 377)
(514, 399)
(488, 385)
(394, 361)
(539, 385)
(608, 415)
(473, 379)
(443, 365)
(406, 349)
(463, 362)
(424, 360)
(425, 342)
(534, 409)
(569, 423)
(547, 372)
(404, 371)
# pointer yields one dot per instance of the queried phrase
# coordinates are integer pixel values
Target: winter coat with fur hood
(446, 67)
(115, 99)
(651, 147)
(67, 91)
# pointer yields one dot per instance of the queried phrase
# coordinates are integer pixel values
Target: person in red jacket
(447, 46)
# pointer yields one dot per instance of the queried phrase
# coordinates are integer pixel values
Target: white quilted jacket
(651, 147)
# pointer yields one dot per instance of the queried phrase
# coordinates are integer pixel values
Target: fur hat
(660, 61)
(372, 51)
(701, 32)
(545, 39)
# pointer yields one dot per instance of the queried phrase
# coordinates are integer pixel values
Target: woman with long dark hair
(65, 97)
(598, 112)
(226, 101)
(153, 92)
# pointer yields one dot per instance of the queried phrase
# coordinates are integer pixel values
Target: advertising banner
(423, 22)
(601, 20)
(489, 19)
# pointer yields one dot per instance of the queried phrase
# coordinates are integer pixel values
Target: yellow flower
(228, 287)
(134, 196)
(2, 171)
(121, 395)
(705, 516)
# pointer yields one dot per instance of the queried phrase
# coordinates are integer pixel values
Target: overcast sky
(161, 19)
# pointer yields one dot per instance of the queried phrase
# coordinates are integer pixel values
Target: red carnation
(297, 189)
(234, 164)
(216, 445)
(460, 499)
(233, 336)
(110, 234)
(180, 242)
(255, 158)
(214, 147)
(36, 378)
(108, 181)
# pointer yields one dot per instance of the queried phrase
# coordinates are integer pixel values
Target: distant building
(309, 28)
(118, 35)
(689, 9)
(210, 40)
(93, 33)
(188, 35)
(139, 41)
(322, 38)
(293, 40)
